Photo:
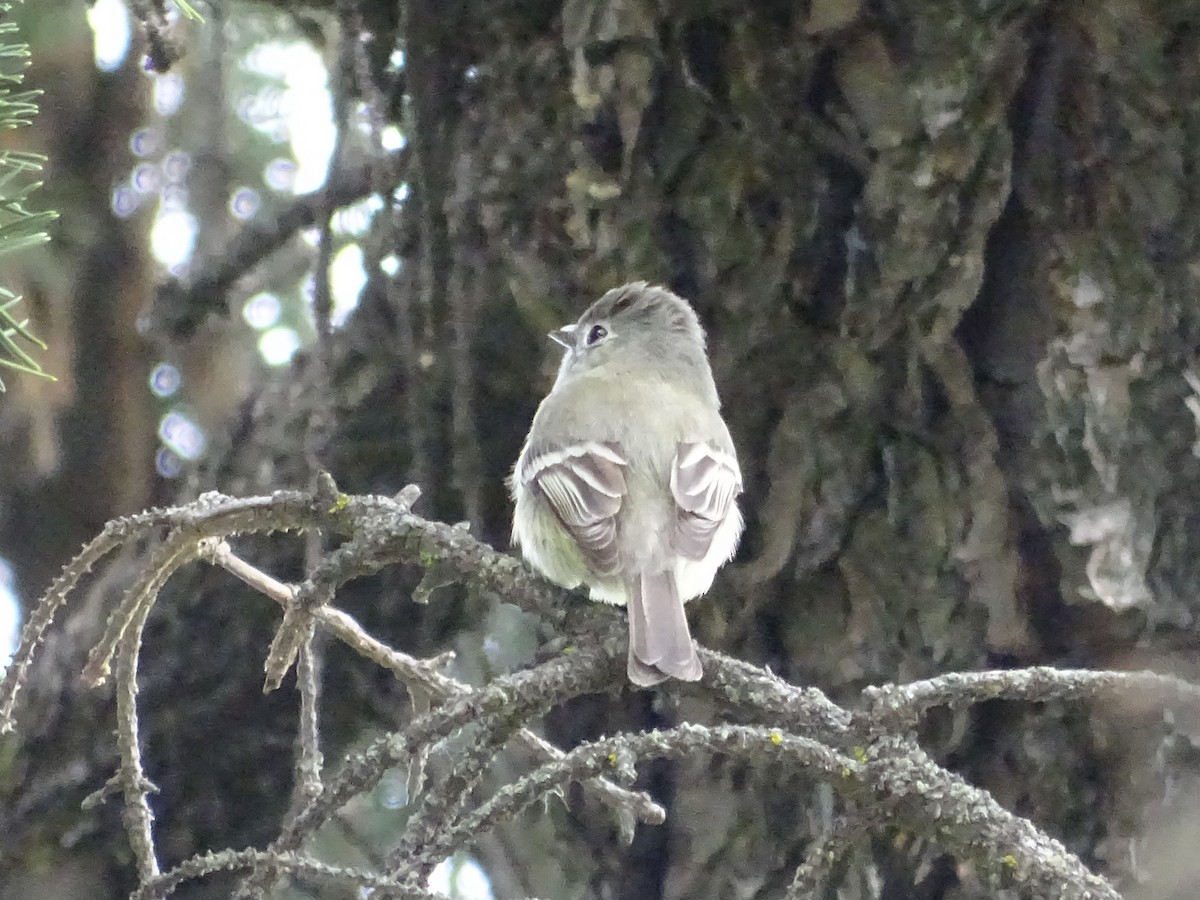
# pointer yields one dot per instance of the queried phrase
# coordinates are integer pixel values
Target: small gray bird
(628, 481)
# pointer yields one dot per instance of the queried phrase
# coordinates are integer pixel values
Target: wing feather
(705, 483)
(585, 486)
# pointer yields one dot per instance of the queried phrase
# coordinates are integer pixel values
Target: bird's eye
(596, 334)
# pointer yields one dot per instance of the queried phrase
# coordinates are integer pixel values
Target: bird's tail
(660, 645)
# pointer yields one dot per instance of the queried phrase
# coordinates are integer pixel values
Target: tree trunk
(946, 258)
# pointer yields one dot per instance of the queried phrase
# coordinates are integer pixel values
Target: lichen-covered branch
(898, 706)
(621, 753)
(425, 677)
(164, 885)
(866, 752)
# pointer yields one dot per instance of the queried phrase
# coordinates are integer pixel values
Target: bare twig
(823, 855)
(116, 534)
(517, 697)
(422, 846)
(869, 751)
(175, 552)
(522, 695)
(136, 814)
(231, 860)
(894, 707)
(426, 677)
(747, 688)
(621, 753)
(969, 822)
(309, 763)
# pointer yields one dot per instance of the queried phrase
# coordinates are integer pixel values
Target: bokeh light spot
(165, 380)
(173, 237)
(167, 463)
(176, 165)
(280, 174)
(182, 435)
(347, 277)
(262, 311)
(392, 138)
(146, 178)
(461, 877)
(355, 219)
(124, 201)
(111, 33)
(145, 141)
(393, 790)
(168, 93)
(244, 203)
(278, 345)
(305, 111)
(10, 614)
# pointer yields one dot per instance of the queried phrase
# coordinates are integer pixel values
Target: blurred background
(948, 257)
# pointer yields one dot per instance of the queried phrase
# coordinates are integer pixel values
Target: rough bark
(946, 255)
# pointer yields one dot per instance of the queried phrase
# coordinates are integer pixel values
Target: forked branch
(867, 753)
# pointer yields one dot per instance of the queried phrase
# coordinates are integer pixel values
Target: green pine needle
(19, 228)
(188, 10)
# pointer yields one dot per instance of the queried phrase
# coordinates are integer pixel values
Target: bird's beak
(564, 336)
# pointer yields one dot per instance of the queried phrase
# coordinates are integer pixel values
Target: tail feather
(660, 644)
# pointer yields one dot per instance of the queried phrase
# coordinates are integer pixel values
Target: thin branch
(747, 688)
(361, 843)
(308, 763)
(204, 864)
(823, 855)
(520, 696)
(402, 298)
(466, 296)
(621, 753)
(116, 534)
(385, 532)
(212, 515)
(970, 822)
(426, 677)
(466, 456)
(421, 846)
(172, 554)
(916, 789)
(894, 707)
(869, 751)
(136, 787)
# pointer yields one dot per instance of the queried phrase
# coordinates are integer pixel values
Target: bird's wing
(705, 483)
(584, 484)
